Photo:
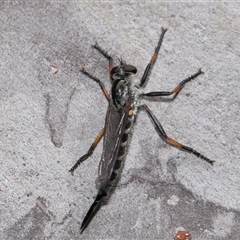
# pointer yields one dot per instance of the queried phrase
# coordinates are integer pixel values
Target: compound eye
(114, 70)
(129, 69)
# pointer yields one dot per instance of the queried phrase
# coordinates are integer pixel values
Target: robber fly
(124, 103)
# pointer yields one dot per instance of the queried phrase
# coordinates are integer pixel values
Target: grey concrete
(50, 114)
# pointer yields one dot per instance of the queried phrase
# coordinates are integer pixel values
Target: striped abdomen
(122, 149)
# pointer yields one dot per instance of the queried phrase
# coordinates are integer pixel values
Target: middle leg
(177, 89)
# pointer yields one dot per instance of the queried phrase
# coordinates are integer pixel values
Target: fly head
(122, 71)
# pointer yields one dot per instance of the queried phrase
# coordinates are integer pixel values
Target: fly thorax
(120, 93)
(134, 90)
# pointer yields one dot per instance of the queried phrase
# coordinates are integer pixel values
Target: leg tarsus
(181, 84)
(188, 149)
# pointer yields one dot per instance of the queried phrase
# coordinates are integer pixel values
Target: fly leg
(169, 140)
(100, 83)
(153, 59)
(177, 89)
(106, 55)
(89, 153)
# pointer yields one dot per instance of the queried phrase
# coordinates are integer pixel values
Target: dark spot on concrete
(30, 226)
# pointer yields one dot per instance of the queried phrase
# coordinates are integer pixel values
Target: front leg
(100, 83)
(106, 55)
(153, 59)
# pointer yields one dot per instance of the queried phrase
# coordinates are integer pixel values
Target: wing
(114, 126)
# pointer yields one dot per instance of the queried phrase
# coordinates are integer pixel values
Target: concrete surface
(50, 114)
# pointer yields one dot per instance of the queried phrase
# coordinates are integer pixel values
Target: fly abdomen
(124, 139)
(118, 164)
(128, 125)
(113, 176)
(122, 149)
(129, 122)
(121, 153)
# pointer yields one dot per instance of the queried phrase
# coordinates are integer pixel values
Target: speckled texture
(51, 113)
